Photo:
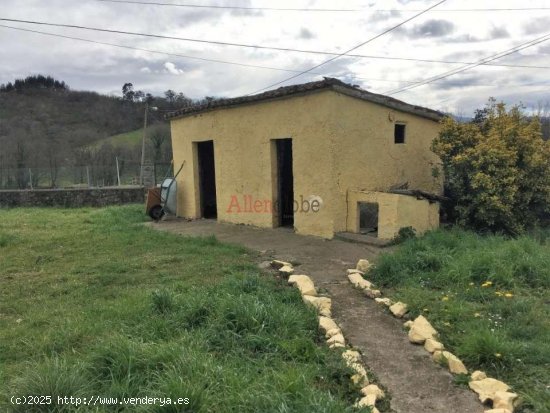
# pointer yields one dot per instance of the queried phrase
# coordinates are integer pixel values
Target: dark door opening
(368, 218)
(207, 179)
(285, 179)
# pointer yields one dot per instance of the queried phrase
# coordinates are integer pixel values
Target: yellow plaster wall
(367, 157)
(339, 143)
(394, 212)
(244, 158)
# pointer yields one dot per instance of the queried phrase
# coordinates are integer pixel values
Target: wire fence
(121, 173)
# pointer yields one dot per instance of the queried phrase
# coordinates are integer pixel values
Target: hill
(126, 139)
(46, 129)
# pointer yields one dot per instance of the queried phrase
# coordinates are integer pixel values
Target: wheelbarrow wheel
(156, 212)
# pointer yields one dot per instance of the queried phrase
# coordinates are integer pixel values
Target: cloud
(538, 25)
(464, 38)
(408, 1)
(433, 28)
(435, 36)
(430, 28)
(499, 33)
(458, 82)
(544, 49)
(469, 55)
(378, 16)
(172, 68)
(306, 34)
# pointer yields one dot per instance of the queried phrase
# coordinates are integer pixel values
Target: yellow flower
(477, 315)
(499, 293)
(445, 298)
(498, 355)
(487, 284)
(425, 309)
(508, 295)
(471, 284)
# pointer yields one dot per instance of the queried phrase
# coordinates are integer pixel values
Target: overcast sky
(438, 34)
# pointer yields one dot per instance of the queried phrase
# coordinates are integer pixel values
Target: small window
(399, 133)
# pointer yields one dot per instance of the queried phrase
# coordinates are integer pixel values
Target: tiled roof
(304, 88)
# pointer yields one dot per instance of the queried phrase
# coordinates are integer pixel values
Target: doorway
(368, 218)
(207, 179)
(285, 183)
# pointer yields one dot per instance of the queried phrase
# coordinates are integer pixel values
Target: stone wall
(72, 198)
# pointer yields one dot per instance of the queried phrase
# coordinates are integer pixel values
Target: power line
(411, 82)
(532, 84)
(140, 49)
(352, 49)
(145, 50)
(253, 46)
(465, 10)
(471, 66)
(202, 6)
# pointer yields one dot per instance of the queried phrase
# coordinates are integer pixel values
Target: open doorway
(285, 183)
(368, 218)
(207, 179)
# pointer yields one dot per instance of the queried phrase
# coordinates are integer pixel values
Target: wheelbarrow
(161, 200)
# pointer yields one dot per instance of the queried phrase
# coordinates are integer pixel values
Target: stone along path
(416, 384)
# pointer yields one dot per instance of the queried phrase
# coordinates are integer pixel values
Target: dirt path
(416, 384)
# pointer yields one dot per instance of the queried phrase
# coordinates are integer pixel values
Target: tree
(34, 82)
(128, 92)
(139, 96)
(170, 96)
(497, 169)
(158, 135)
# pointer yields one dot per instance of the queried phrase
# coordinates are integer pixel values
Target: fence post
(30, 178)
(88, 175)
(117, 171)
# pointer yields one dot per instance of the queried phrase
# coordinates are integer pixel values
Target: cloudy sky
(457, 36)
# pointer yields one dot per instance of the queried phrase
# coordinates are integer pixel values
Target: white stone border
(370, 393)
(421, 331)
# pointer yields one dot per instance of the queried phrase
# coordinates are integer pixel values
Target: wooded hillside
(47, 127)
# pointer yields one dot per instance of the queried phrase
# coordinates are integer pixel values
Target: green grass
(127, 139)
(441, 275)
(94, 303)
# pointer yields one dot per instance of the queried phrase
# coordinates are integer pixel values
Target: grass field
(92, 303)
(487, 296)
(127, 139)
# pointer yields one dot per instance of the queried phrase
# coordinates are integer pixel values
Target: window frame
(403, 139)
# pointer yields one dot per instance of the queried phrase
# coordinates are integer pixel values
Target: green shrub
(497, 170)
(403, 235)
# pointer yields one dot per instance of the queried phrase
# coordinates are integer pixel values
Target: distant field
(128, 139)
(488, 296)
(93, 303)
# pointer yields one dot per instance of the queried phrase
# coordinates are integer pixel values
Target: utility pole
(143, 144)
(143, 140)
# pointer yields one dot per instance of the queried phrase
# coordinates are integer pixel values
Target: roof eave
(183, 113)
(314, 87)
(390, 103)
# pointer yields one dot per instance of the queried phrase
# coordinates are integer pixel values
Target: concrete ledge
(72, 198)
(362, 239)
